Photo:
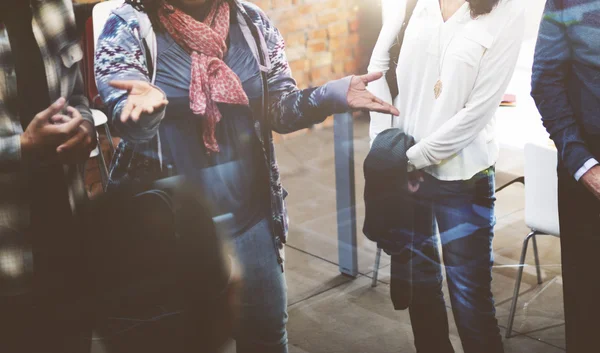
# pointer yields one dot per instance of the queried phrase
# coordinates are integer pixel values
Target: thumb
(373, 76)
(52, 110)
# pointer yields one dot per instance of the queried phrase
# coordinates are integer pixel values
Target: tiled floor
(331, 313)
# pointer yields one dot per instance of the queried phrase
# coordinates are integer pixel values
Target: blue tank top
(234, 181)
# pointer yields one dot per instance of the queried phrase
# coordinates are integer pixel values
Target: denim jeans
(463, 212)
(263, 317)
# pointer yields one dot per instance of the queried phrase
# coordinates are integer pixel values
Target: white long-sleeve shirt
(475, 60)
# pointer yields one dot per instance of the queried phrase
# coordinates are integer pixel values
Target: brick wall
(321, 36)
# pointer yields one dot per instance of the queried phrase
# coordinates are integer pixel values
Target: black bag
(156, 264)
(388, 204)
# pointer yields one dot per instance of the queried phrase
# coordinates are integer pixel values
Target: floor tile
(307, 275)
(357, 318)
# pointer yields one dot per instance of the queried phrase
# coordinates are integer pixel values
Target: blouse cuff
(417, 157)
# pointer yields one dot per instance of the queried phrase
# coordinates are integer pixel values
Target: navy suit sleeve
(549, 88)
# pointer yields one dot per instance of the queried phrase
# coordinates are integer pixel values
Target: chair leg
(102, 167)
(537, 260)
(513, 305)
(514, 181)
(376, 269)
(109, 137)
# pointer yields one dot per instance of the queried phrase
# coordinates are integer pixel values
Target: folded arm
(494, 75)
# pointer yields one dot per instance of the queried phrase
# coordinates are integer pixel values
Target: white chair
(541, 209)
(99, 120)
(100, 14)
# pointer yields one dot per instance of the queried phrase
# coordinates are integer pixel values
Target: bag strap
(149, 59)
(410, 9)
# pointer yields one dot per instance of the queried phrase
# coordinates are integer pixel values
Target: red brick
(318, 34)
(295, 38)
(302, 79)
(338, 43)
(263, 4)
(277, 4)
(337, 29)
(354, 24)
(321, 59)
(316, 46)
(338, 68)
(297, 23)
(296, 52)
(353, 39)
(299, 66)
(324, 19)
(343, 55)
(351, 67)
(320, 76)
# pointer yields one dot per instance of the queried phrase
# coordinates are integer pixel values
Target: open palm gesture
(361, 99)
(143, 98)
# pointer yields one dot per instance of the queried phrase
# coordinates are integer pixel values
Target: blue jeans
(263, 317)
(464, 214)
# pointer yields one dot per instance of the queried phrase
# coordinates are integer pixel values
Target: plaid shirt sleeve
(291, 108)
(10, 149)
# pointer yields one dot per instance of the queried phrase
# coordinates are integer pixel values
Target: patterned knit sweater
(120, 54)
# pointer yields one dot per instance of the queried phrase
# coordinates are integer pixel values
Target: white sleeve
(394, 12)
(495, 73)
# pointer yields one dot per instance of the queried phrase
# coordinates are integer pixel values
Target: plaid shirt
(54, 29)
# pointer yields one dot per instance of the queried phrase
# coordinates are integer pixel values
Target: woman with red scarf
(196, 87)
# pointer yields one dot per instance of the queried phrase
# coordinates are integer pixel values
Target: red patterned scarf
(212, 81)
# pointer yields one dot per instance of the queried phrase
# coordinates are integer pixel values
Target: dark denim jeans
(263, 317)
(463, 213)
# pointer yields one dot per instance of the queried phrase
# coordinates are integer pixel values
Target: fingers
(413, 187)
(60, 119)
(383, 108)
(415, 179)
(73, 142)
(52, 110)
(136, 113)
(73, 113)
(123, 85)
(126, 112)
(67, 129)
(373, 76)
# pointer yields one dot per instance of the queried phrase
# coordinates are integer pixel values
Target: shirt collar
(462, 15)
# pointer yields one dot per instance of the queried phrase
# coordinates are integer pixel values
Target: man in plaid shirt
(46, 131)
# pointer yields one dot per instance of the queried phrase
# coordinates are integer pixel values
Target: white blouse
(474, 59)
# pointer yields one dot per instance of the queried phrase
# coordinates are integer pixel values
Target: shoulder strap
(410, 9)
(395, 50)
(149, 42)
(149, 59)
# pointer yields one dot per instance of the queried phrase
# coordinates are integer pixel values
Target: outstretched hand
(143, 98)
(361, 99)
